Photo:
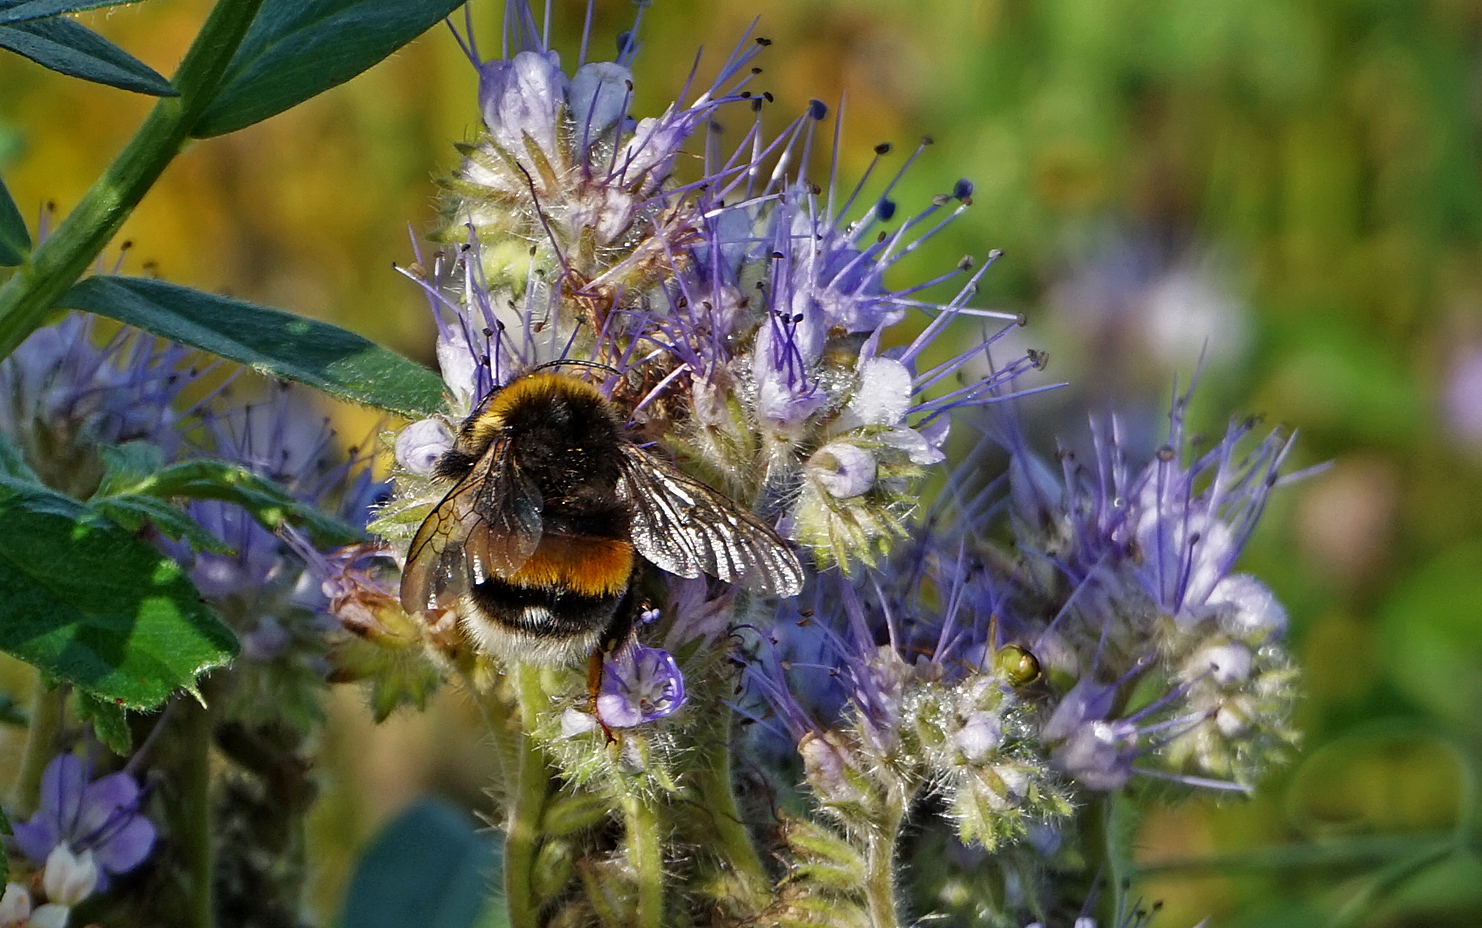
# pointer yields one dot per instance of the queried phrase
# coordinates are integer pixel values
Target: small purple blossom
(62, 397)
(102, 816)
(639, 685)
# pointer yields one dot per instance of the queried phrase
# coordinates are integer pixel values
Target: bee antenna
(577, 362)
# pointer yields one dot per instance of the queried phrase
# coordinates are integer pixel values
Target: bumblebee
(538, 542)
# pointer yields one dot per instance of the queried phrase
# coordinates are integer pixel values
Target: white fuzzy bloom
(420, 444)
(69, 878)
(843, 469)
(1248, 608)
(1226, 664)
(15, 905)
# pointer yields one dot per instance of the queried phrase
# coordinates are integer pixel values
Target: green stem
(880, 858)
(191, 828)
(646, 856)
(725, 831)
(47, 705)
(526, 803)
(57, 263)
(502, 720)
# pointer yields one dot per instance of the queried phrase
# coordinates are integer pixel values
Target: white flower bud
(67, 878)
(844, 470)
(1248, 608)
(978, 738)
(1226, 664)
(50, 915)
(420, 445)
(15, 905)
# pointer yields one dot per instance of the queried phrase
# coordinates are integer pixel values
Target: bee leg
(594, 689)
(617, 634)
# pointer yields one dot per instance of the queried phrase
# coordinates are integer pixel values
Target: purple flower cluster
(1025, 640)
(100, 817)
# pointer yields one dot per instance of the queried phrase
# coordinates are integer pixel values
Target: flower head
(63, 397)
(101, 818)
(639, 685)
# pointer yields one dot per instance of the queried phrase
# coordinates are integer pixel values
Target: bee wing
(687, 528)
(488, 524)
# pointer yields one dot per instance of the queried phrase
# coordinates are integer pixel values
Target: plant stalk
(191, 829)
(645, 849)
(742, 870)
(47, 705)
(526, 804)
(880, 858)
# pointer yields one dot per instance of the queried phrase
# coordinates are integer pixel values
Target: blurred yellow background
(1294, 188)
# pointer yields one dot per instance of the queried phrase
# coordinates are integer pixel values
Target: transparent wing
(688, 529)
(488, 524)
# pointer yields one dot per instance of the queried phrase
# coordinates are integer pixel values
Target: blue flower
(101, 816)
(62, 397)
(639, 685)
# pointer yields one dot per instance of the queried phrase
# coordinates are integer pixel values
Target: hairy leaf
(110, 722)
(75, 50)
(208, 478)
(271, 342)
(297, 49)
(85, 600)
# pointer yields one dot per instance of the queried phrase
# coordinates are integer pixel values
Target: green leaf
(87, 602)
(75, 50)
(297, 49)
(110, 722)
(134, 512)
(271, 342)
(15, 241)
(428, 867)
(4, 855)
(14, 11)
(208, 478)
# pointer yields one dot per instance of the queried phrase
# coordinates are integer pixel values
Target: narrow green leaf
(110, 722)
(15, 241)
(267, 502)
(269, 341)
(75, 50)
(87, 602)
(4, 855)
(14, 11)
(428, 867)
(297, 49)
(134, 512)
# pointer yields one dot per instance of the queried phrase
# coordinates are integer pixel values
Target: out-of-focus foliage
(1296, 185)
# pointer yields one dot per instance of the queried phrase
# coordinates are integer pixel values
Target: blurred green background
(1293, 187)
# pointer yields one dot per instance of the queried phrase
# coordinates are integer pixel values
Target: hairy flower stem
(645, 850)
(526, 804)
(504, 724)
(190, 818)
(744, 879)
(880, 858)
(47, 704)
(57, 263)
